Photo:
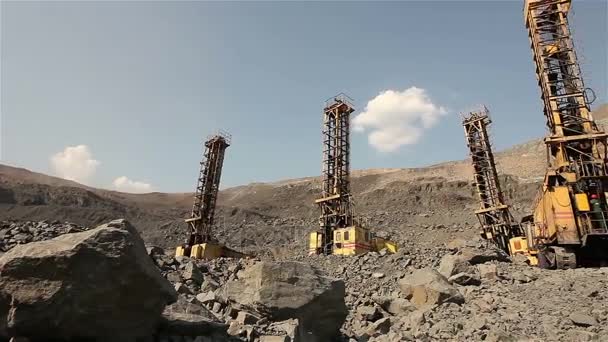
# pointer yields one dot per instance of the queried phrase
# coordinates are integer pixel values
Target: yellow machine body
(206, 251)
(315, 243)
(180, 251)
(554, 218)
(382, 243)
(350, 241)
(209, 251)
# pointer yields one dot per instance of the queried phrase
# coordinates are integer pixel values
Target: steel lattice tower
(494, 216)
(336, 204)
(208, 182)
(574, 144)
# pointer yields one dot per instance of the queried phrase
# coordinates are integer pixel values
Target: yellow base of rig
(351, 241)
(209, 251)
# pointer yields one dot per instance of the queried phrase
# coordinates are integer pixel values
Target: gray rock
(106, 273)
(183, 306)
(236, 329)
(209, 284)
(181, 288)
(174, 277)
(368, 313)
(426, 287)
(476, 256)
(379, 327)
(394, 306)
(154, 251)
(245, 317)
(464, 279)
(582, 319)
(416, 319)
(290, 327)
(191, 272)
(207, 297)
(496, 335)
(488, 271)
(285, 290)
(453, 264)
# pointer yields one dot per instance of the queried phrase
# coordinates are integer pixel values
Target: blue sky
(141, 83)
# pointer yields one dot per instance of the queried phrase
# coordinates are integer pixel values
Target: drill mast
(574, 144)
(208, 182)
(336, 204)
(494, 216)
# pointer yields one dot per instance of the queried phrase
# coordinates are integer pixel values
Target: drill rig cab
(200, 242)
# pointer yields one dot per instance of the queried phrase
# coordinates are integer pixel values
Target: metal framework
(575, 144)
(202, 216)
(494, 215)
(336, 203)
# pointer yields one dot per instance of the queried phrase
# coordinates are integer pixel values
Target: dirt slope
(400, 201)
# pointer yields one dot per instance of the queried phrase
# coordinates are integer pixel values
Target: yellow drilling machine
(569, 223)
(340, 232)
(497, 223)
(200, 242)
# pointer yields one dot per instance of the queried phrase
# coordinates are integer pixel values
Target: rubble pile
(14, 233)
(459, 291)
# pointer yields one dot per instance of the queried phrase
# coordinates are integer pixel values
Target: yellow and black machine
(200, 242)
(497, 223)
(340, 233)
(569, 224)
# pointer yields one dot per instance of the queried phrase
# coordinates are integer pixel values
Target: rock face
(285, 290)
(426, 287)
(99, 283)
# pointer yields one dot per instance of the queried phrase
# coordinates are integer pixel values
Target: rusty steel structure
(575, 143)
(336, 202)
(569, 224)
(494, 216)
(203, 210)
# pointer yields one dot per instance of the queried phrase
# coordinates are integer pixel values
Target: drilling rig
(200, 242)
(568, 226)
(340, 232)
(497, 223)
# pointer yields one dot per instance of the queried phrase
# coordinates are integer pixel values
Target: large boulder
(426, 287)
(98, 284)
(453, 264)
(284, 290)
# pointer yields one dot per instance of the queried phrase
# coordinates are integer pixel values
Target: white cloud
(126, 185)
(396, 118)
(75, 163)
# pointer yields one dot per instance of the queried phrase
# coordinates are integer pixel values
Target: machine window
(345, 236)
(338, 236)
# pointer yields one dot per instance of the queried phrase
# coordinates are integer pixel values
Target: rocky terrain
(459, 291)
(444, 284)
